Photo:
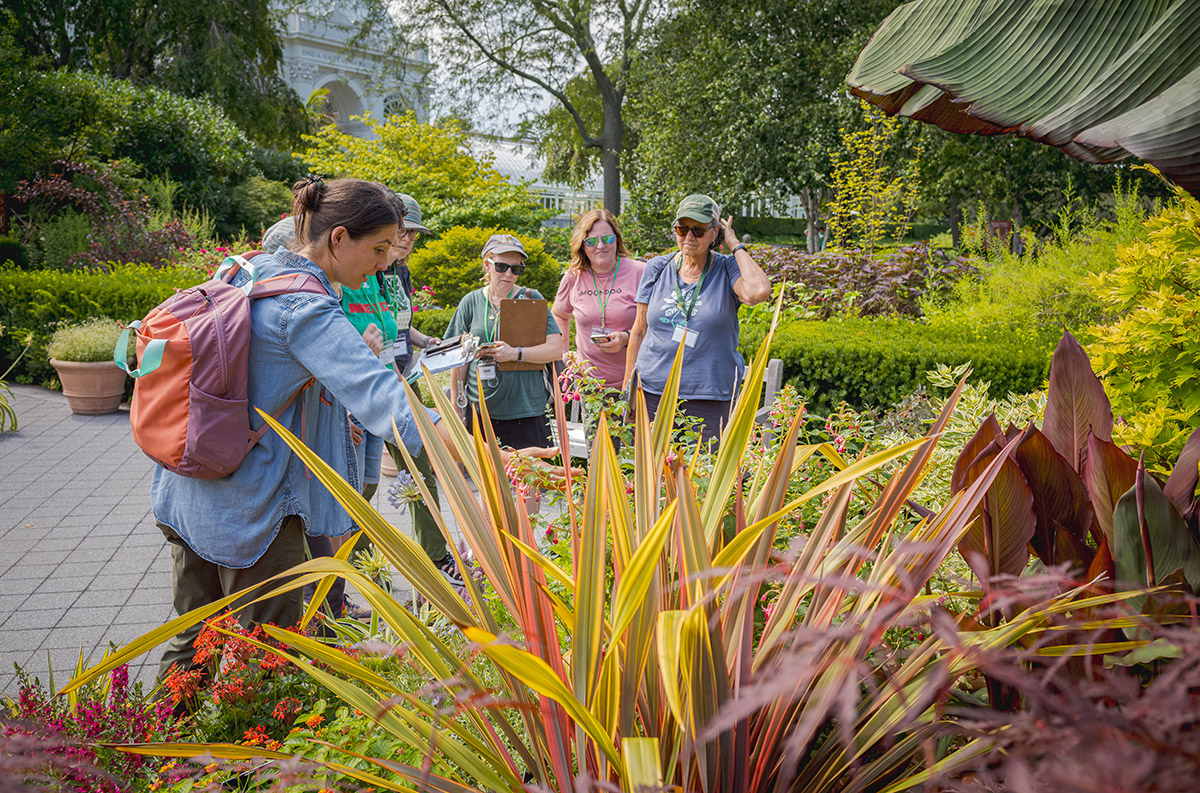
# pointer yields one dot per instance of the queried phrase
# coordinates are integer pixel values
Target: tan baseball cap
(503, 243)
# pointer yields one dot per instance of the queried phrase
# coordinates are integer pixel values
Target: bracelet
(520, 353)
(737, 248)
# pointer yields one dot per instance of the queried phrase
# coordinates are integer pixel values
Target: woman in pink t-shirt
(598, 291)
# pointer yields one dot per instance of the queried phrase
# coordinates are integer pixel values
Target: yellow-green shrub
(1042, 291)
(452, 267)
(1149, 357)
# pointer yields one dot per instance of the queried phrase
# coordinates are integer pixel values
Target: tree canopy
(744, 105)
(500, 50)
(227, 50)
(432, 163)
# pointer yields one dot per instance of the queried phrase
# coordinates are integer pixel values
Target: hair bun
(308, 192)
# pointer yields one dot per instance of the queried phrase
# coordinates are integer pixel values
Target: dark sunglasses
(696, 231)
(501, 267)
(607, 239)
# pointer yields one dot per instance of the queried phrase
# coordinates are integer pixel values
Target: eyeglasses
(501, 267)
(411, 234)
(607, 239)
(696, 231)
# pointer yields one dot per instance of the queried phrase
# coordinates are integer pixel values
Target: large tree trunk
(612, 180)
(611, 142)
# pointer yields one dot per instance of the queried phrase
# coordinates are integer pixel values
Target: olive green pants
(198, 582)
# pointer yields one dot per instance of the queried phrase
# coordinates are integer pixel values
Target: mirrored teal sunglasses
(607, 239)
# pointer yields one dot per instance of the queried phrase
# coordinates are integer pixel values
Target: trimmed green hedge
(875, 363)
(432, 321)
(38, 301)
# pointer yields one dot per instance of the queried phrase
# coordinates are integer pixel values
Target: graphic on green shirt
(366, 305)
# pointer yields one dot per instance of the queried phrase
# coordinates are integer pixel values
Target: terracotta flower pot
(387, 466)
(91, 388)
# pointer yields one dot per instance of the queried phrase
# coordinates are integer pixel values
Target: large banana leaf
(1099, 79)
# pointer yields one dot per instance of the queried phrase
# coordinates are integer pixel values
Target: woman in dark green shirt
(516, 400)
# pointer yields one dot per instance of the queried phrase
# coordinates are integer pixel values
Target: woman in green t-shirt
(516, 400)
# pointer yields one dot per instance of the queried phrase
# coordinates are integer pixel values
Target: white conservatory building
(315, 57)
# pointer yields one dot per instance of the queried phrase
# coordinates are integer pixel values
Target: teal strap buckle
(151, 356)
(249, 267)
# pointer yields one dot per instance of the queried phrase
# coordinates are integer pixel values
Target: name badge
(487, 371)
(387, 355)
(401, 348)
(688, 337)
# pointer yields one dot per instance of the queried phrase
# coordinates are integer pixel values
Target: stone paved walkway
(82, 563)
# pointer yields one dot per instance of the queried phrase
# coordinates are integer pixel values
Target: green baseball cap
(700, 208)
(412, 213)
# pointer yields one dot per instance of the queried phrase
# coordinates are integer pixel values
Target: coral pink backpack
(190, 413)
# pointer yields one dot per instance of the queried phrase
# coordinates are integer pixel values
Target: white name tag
(401, 348)
(387, 355)
(487, 371)
(688, 337)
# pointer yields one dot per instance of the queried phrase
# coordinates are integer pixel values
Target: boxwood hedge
(877, 362)
(38, 301)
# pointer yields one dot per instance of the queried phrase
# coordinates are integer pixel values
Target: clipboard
(522, 323)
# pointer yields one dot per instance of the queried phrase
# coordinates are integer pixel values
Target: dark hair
(358, 205)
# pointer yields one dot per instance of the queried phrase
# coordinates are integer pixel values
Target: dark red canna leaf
(1075, 403)
(1181, 484)
(998, 543)
(1060, 500)
(987, 431)
(1108, 474)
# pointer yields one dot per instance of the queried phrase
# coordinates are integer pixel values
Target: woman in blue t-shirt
(692, 296)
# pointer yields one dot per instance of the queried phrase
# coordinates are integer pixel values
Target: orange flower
(314, 720)
(255, 736)
(287, 708)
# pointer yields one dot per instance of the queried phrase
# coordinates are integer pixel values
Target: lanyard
(612, 283)
(691, 306)
(489, 332)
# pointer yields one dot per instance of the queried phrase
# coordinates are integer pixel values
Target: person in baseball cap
(516, 396)
(691, 297)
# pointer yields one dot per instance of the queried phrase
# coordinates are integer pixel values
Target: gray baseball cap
(700, 208)
(282, 233)
(412, 213)
(503, 243)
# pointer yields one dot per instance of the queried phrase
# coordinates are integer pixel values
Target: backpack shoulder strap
(233, 265)
(288, 282)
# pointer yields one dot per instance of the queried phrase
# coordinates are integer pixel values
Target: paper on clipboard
(449, 354)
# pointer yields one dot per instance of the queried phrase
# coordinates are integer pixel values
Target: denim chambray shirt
(231, 521)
